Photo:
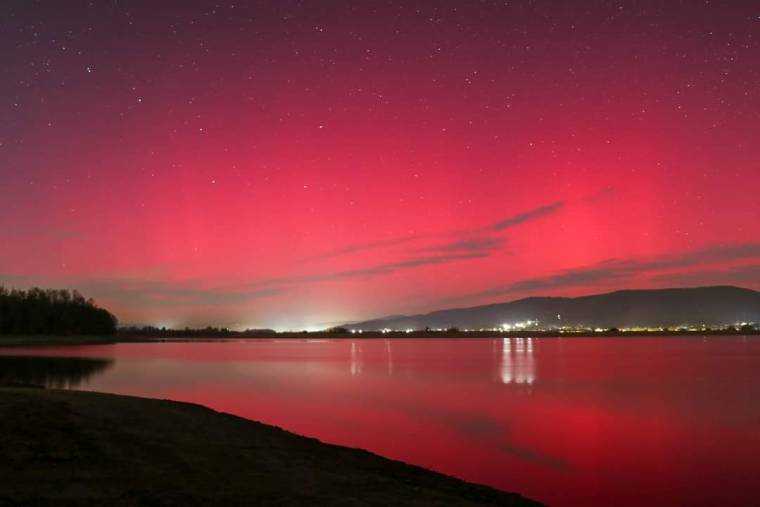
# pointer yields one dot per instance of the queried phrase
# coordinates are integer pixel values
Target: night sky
(296, 164)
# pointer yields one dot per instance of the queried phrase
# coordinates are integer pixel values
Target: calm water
(601, 421)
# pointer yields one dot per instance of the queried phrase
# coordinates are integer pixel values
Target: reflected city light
(390, 356)
(356, 362)
(517, 365)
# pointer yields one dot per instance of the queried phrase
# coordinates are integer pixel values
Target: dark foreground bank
(81, 448)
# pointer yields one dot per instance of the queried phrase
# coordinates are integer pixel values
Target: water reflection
(517, 365)
(390, 356)
(624, 422)
(54, 372)
(356, 362)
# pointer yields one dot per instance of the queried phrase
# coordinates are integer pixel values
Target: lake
(568, 421)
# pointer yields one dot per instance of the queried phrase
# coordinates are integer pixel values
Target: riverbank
(178, 336)
(83, 448)
(42, 340)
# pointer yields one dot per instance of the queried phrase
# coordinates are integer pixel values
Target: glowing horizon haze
(296, 165)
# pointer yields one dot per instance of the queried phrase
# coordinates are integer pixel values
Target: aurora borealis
(297, 164)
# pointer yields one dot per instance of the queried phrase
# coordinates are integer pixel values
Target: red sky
(287, 165)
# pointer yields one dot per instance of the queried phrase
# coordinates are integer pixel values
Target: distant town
(530, 326)
(519, 329)
(700, 311)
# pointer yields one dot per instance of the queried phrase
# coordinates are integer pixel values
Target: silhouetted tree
(187, 332)
(38, 311)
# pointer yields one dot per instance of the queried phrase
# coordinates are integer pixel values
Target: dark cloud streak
(361, 247)
(463, 238)
(483, 244)
(616, 270)
(748, 275)
(528, 216)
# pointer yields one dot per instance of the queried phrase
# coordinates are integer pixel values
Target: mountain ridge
(709, 305)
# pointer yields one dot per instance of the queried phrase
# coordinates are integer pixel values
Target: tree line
(187, 332)
(46, 311)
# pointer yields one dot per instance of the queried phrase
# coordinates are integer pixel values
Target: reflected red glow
(567, 421)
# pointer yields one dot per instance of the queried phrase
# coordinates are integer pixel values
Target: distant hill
(626, 308)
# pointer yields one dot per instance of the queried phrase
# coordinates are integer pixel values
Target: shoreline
(81, 448)
(12, 341)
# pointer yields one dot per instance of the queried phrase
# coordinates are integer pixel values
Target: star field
(295, 164)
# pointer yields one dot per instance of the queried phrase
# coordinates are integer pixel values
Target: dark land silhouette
(42, 317)
(139, 334)
(83, 448)
(715, 307)
(52, 312)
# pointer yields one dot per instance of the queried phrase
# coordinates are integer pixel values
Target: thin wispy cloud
(618, 270)
(171, 293)
(748, 275)
(462, 238)
(528, 216)
(190, 293)
(459, 246)
(482, 244)
(711, 254)
(153, 292)
(578, 277)
(477, 243)
(370, 271)
(371, 245)
(391, 267)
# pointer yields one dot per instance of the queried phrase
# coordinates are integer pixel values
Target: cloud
(463, 238)
(737, 275)
(190, 293)
(465, 245)
(378, 269)
(578, 277)
(459, 246)
(526, 454)
(185, 293)
(482, 244)
(616, 270)
(712, 254)
(168, 293)
(372, 245)
(528, 216)
(382, 269)
(425, 249)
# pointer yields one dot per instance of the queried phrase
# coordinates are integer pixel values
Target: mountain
(626, 308)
